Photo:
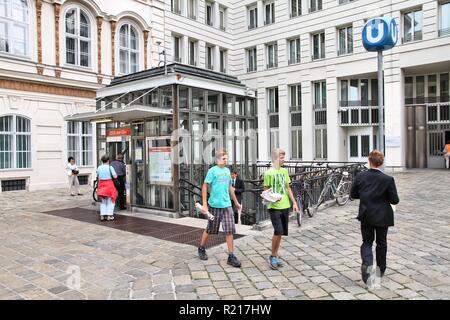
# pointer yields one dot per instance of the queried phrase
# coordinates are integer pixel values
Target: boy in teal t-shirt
(278, 180)
(218, 179)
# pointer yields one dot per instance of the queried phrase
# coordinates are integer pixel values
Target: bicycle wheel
(94, 192)
(343, 194)
(307, 206)
(299, 212)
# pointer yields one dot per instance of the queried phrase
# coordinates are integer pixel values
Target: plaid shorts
(224, 215)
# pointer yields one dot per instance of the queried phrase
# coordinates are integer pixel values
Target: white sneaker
(270, 197)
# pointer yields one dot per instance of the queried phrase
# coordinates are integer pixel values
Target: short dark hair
(376, 158)
(105, 158)
(234, 171)
(70, 159)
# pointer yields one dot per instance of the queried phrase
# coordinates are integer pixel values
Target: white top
(71, 167)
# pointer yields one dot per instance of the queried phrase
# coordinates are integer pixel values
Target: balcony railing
(251, 69)
(320, 114)
(359, 116)
(426, 100)
(439, 113)
(293, 61)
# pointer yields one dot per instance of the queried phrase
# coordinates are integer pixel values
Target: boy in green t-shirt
(277, 179)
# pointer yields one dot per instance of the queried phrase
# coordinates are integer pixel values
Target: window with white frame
(77, 38)
(296, 144)
(222, 18)
(14, 27)
(272, 55)
(209, 57)
(295, 107)
(251, 60)
(128, 49)
(175, 6)
(296, 8)
(79, 142)
(320, 95)
(269, 12)
(345, 1)
(294, 50)
(412, 25)
(192, 9)
(223, 60)
(252, 17)
(315, 5)
(319, 46)
(209, 13)
(15, 142)
(444, 18)
(193, 52)
(345, 38)
(177, 49)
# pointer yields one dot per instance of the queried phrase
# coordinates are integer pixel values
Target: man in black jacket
(238, 186)
(377, 192)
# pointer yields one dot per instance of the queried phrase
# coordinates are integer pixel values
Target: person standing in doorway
(446, 152)
(277, 179)
(218, 179)
(239, 188)
(72, 172)
(377, 193)
(121, 170)
(106, 189)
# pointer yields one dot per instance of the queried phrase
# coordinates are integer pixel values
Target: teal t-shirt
(219, 180)
(278, 180)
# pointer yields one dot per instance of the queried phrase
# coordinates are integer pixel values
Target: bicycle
(340, 193)
(304, 201)
(94, 192)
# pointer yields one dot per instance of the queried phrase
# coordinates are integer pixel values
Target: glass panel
(322, 45)
(20, 37)
(239, 106)
(444, 90)
(418, 25)
(123, 37)
(353, 92)
(134, 62)
(364, 92)
(84, 25)
(432, 88)
(353, 146)
(227, 104)
(166, 126)
(197, 134)
(324, 94)
(84, 53)
(183, 96)
(350, 40)
(318, 144)
(445, 17)
(4, 46)
(70, 50)
(213, 102)
(70, 21)
(198, 103)
(123, 61)
(316, 46)
(86, 128)
(365, 146)
(374, 91)
(133, 39)
(166, 97)
(420, 87)
(408, 27)
(342, 47)
(6, 153)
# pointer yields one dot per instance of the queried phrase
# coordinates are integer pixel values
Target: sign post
(380, 34)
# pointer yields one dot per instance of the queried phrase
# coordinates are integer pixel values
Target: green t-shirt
(219, 179)
(278, 180)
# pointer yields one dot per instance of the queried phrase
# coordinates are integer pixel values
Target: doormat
(156, 229)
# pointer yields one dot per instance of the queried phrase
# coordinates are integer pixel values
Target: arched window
(128, 49)
(15, 142)
(14, 27)
(77, 38)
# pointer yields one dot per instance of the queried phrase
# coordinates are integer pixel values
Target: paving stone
(343, 296)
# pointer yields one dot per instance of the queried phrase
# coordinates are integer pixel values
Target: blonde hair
(276, 154)
(220, 153)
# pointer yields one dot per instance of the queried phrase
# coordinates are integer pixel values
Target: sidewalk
(48, 257)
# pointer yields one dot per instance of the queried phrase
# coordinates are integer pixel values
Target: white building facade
(316, 85)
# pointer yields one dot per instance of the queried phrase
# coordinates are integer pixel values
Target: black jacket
(376, 192)
(238, 189)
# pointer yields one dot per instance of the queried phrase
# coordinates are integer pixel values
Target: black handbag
(115, 181)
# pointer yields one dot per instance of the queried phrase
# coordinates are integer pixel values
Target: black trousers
(121, 196)
(369, 234)
(236, 213)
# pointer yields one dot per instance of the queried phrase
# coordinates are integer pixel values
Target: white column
(183, 4)
(216, 15)
(260, 7)
(335, 142)
(185, 50)
(263, 133)
(395, 128)
(307, 119)
(283, 114)
(216, 58)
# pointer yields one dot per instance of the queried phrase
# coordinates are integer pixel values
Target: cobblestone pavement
(41, 255)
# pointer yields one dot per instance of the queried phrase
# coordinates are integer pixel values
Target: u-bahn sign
(380, 34)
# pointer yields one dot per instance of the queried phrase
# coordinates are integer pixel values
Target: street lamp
(163, 52)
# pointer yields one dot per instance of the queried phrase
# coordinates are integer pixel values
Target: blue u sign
(380, 34)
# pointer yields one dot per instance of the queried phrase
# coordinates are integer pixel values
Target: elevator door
(416, 154)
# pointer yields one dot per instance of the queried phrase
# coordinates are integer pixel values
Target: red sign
(118, 132)
(160, 149)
